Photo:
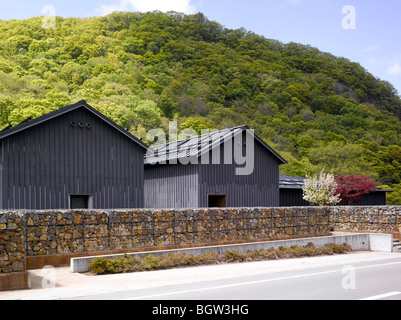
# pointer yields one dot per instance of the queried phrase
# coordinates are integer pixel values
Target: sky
(363, 31)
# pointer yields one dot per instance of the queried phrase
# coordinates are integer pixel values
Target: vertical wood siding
(373, 199)
(171, 186)
(292, 198)
(45, 164)
(259, 189)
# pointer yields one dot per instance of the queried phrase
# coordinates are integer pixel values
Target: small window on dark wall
(80, 202)
(217, 201)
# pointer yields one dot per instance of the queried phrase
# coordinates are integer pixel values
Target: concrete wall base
(358, 242)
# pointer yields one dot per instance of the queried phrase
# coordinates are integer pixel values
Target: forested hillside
(142, 70)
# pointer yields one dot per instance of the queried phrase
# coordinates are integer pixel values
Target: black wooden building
(291, 194)
(228, 168)
(74, 157)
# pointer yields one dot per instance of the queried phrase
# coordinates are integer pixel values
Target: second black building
(228, 168)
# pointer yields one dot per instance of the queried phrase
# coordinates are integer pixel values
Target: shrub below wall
(128, 264)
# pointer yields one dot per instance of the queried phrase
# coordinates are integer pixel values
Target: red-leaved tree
(351, 188)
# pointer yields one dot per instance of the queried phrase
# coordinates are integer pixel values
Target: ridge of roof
(203, 144)
(80, 104)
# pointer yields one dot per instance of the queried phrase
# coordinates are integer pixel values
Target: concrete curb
(358, 241)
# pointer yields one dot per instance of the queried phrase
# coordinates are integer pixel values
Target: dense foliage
(142, 70)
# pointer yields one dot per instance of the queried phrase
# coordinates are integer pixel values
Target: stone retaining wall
(13, 273)
(51, 233)
(385, 219)
(47, 235)
(67, 232)
(12, 242)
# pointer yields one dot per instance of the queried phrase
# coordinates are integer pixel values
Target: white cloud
(149, 5)
(106, 9)
(292, 2)
(163, 5)
(375, 61)
(395, 68)
(372, 49)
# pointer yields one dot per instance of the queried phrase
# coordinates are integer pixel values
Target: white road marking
(255, 282)
(228, 286)
(382, 296)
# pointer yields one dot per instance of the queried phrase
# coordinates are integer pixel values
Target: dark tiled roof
(291, 182)
(199, 145)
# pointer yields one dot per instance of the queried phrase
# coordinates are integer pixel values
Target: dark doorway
(80, 202)
(217, 201)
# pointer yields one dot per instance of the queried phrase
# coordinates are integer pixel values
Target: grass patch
(127, 264)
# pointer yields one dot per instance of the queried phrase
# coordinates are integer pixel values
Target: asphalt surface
(369, 276)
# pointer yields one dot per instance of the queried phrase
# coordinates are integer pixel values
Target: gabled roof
(81, 104)
(199, 145)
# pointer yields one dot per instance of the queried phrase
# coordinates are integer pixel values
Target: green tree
(74, 73)
(394, 197)
(197, 124)
(29, 108)
(345, 158)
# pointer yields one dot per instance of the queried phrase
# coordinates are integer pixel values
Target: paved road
(371, 276)
(362, 280)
